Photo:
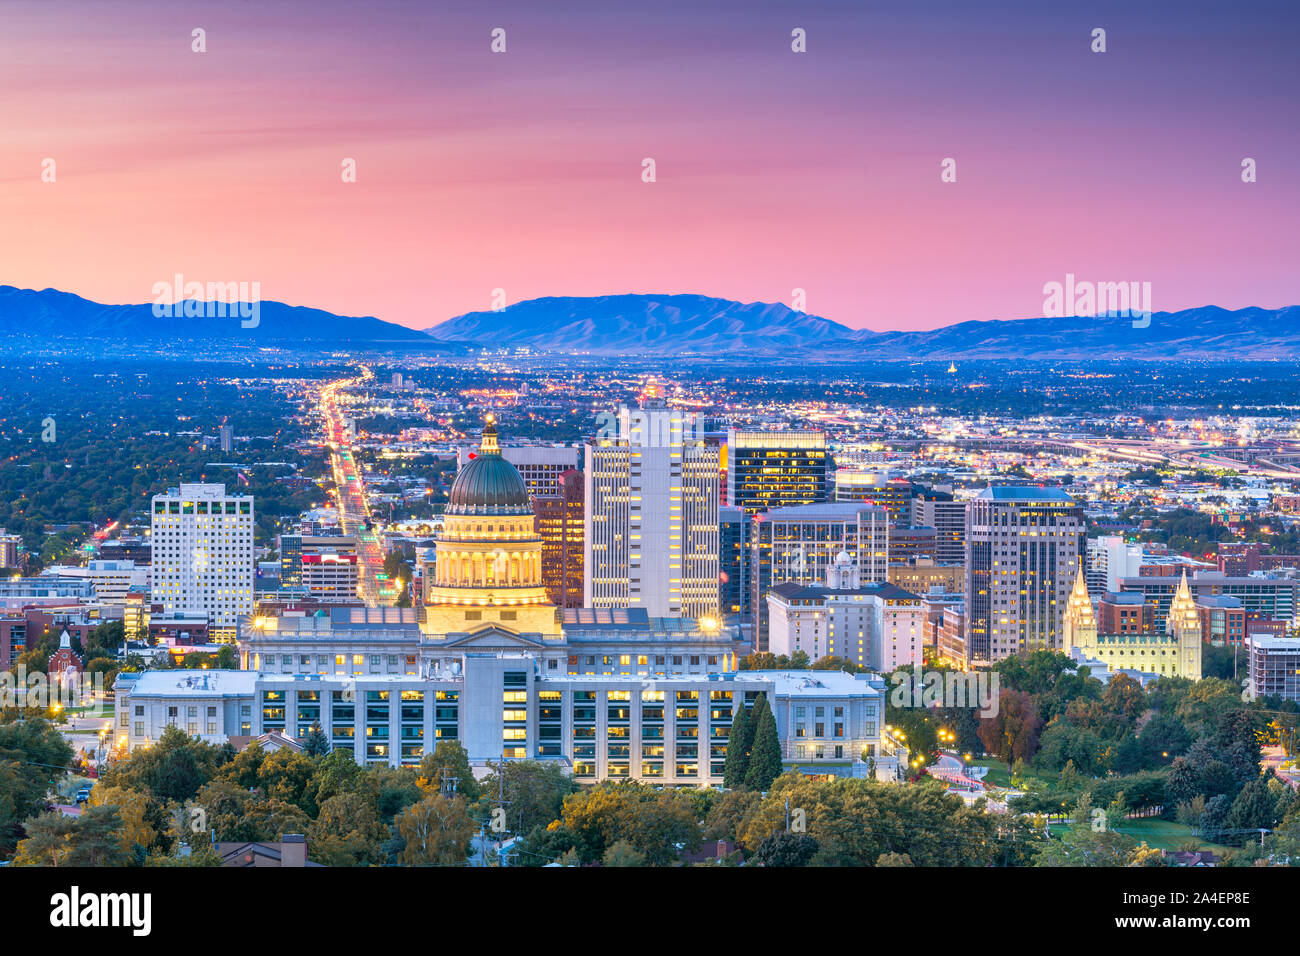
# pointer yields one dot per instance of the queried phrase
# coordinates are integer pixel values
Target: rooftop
(1031, 493)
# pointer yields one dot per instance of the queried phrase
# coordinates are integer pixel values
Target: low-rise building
(671, 730)
(879, 626)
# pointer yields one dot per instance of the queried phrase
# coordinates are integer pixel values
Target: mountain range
(691, 324)
(52, 316)
(670, 325)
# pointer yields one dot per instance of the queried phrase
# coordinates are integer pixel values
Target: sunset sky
(775, 170)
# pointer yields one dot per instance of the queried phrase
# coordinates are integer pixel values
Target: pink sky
(776, 170)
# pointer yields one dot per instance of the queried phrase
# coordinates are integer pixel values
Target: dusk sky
(775, 170)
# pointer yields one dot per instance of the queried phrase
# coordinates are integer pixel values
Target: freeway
(354, 510)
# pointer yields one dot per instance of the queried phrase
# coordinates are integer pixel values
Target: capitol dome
(489, 485)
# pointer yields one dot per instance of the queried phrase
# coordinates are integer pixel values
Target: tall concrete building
(650, 508)
(877, 488)
(1110, 560)
(295, 548)
(203, 555)
(947, 517)
(799, 544)
(1024, 546)
(780, 469)
(9, 545)
(767, 470)
(733, 524)
(558, 521)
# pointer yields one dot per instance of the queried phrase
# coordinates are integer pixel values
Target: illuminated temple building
(1175, 652)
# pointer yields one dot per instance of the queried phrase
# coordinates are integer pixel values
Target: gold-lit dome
(489, 485)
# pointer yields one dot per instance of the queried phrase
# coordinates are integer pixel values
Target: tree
(94, 839)
(545, 845)
(739, 741)
(338, 773)
(347, 832)
(658, 823)
(534, 792)
(48, 842)
(134, 808)
(98, 839)
(623, 853)
(1255, 808)
(894, 859)
(765, 757)
(1012, 734)
(33, 757)
(451, 757)
(438, 831)
(786, 849)
(316, 744)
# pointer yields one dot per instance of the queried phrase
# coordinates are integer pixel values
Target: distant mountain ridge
(667, 326)
(693, 324)
(53, 315)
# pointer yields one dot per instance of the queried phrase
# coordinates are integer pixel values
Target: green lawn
(1159, 834)
(1164, 834)
(999, 774)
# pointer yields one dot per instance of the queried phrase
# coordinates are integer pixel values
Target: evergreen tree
(765, 755)
(316, 744)
(738, 744)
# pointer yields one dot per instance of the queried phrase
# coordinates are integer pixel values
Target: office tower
(539, 465)
(294, 547)
(558, 521)
(937, 510)
(650, 505)
(875, 488)
(203, 554)
(765, 470)
(798, 545)
(227, 437)
(1110, 560)
(1023, 550)
(1262, 595)
(768, 470)
(397, 380)
(733, 554)
(910, 544)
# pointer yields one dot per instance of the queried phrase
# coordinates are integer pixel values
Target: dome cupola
(489, 485)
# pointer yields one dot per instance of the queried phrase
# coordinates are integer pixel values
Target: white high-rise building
(650, 512)
(1109, 561)
(203, 554)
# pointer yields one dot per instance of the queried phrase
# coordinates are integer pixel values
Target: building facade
(799, 544)
(1023, 551)
(650, 506)
(879, 626)
(203, 554)
(558, 522)
(1175, 652)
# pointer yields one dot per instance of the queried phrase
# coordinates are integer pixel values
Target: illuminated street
(354, 511)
